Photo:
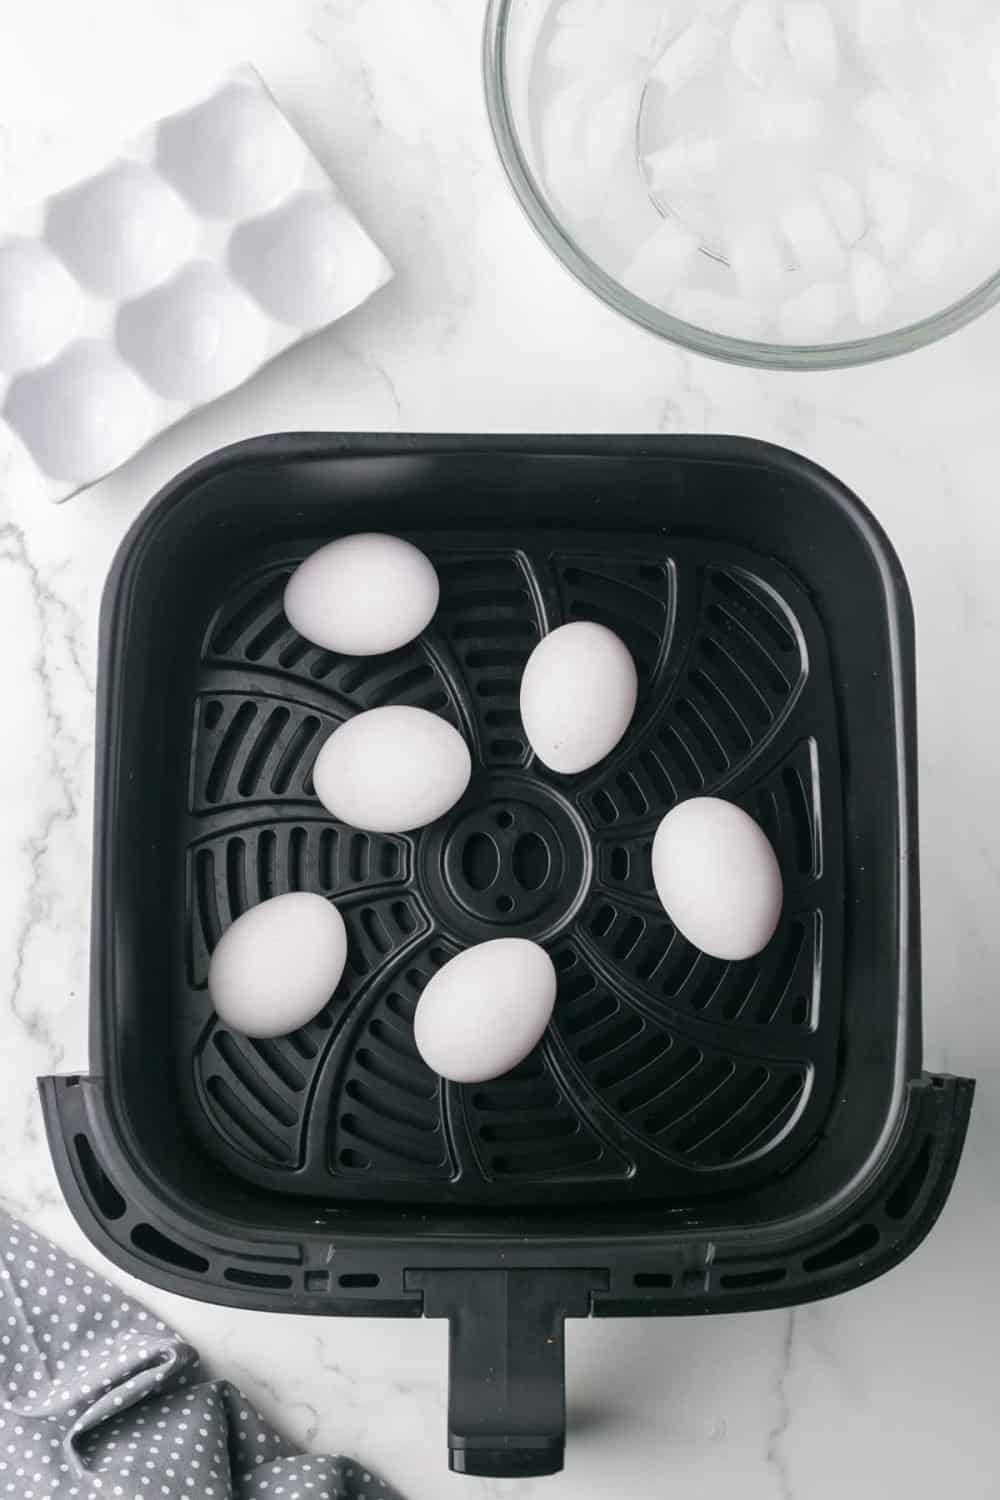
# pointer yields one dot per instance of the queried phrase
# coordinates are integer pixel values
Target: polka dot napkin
(101, 1399)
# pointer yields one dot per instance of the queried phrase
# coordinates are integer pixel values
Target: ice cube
(809, 231)
(733, 316)
(608, 132)
(811, 316)
(845, 207)
(811, 39)
(580, 12)
(578, 48)
(584, 134)
(687, 163)
(688, 56)
(890, 202)
(871, 287)
(880, 23)
(601, 31)
(757, 260)
(893, 129)
(643, 29)
(594, 15)
(788, 116)
(756, 40)
(934, 253)
(561, 130)
(661, 261)
(991, 60)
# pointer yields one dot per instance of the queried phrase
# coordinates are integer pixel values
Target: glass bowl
(517, 39)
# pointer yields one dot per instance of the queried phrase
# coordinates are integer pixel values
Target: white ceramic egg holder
(212, 243)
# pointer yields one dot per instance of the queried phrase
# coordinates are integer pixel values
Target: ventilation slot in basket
(151, 1242)
(388, 1110)
(294, 753)
(246, 1072)
(745, 1281)
(206, 898)
(266, 1280)
(241, 1123)
(253, 607)
(758, 612)
(851, 1247)
(488, 616)
(527, 1127)
(902, 1200)
(621, 599)
(103, 1191)
(236, 878)
(228, 752)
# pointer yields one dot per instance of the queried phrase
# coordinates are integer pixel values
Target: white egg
(717, 877)
(578, 695)
(392, 769)
(278, 964)
(363, 595)
(485, 1010)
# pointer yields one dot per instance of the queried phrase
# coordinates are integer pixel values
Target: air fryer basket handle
(507, 1397)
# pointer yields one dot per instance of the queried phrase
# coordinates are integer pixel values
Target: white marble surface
(891, 1390)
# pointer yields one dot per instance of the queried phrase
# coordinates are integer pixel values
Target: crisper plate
(665, 1073)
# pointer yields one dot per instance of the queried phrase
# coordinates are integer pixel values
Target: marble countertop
(891, 1389)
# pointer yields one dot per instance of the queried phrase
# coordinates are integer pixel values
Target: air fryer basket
(692, 1136)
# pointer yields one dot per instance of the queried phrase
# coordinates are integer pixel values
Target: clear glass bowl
(510, 57)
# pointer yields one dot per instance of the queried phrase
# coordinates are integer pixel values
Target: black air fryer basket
(692, 1136)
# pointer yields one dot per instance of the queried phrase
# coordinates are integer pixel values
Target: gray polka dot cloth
(102, 1399)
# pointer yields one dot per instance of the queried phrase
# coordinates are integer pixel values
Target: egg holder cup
(691, 1136)
(214, 241)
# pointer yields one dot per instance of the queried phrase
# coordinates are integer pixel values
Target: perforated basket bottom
(664, 1073)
